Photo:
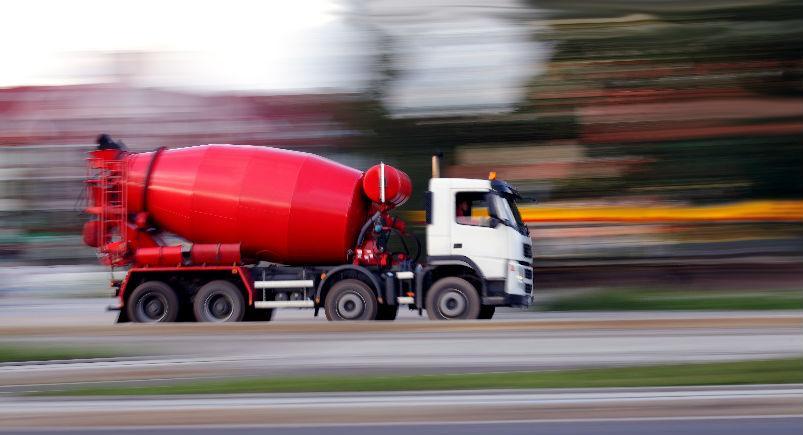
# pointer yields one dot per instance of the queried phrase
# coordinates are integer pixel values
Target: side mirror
(494, 222)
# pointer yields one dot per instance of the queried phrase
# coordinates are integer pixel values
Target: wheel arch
(445, 266)
(346, 271)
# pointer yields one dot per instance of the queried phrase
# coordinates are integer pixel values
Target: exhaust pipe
(436, 164)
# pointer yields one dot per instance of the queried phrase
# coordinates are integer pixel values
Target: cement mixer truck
(225, 233)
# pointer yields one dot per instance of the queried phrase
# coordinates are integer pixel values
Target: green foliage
(624, 300)
(38, 353)
(779, 371)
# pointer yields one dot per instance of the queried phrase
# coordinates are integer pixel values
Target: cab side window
(471, 208)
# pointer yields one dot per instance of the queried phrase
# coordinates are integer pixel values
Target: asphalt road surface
(699, 409)
(705, 426)
(298, 344)
(20, 311)
(178, 351)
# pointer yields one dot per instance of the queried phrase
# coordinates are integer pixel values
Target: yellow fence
(762, 211)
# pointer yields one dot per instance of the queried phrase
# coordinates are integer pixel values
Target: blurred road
(21, 311)
(299, 344)
(628, 409)
(707, 426)
(515, 341)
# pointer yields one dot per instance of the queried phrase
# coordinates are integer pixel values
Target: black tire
(152, 302)
(451, 299)
(487, 312)
(387, 312)
(351, 299)
(258, 315)
(219, 301)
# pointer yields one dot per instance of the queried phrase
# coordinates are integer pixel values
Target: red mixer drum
(282, 206)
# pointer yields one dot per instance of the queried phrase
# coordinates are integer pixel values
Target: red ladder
(113, 218)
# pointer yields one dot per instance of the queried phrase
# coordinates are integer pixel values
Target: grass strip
(778, 371)
(35, 354)
(633, 300)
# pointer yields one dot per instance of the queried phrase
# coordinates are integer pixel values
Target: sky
(206, 44)
(449, 56)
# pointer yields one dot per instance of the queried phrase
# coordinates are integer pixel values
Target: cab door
(472, 233)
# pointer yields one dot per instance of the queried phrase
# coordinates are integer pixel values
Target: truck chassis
(344, 292)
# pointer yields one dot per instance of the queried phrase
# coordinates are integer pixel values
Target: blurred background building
(649, 133)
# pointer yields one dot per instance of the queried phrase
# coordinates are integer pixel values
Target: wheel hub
(220, 307)
(350, 306)
(152, 307)
(453, 303)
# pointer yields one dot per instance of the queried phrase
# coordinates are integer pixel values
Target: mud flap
(122, 317)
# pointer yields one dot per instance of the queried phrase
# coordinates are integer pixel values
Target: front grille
(528, 273)
(528, 288)
(528, 251)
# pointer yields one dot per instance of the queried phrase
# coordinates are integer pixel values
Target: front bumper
(518, 300)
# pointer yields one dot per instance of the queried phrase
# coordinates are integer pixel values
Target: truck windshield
(511, 202)
(508, 212)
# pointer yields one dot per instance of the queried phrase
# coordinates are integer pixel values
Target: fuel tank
(282, 206)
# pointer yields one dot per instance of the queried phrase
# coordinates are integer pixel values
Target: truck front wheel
(350, 299)
(452, 298)
(219, 301)
(152, 302)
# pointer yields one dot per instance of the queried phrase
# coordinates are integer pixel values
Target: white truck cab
(475, 225)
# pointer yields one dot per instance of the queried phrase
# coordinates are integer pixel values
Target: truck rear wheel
(219, 301)
(351, 299)
(452, 298)
(152, 302)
